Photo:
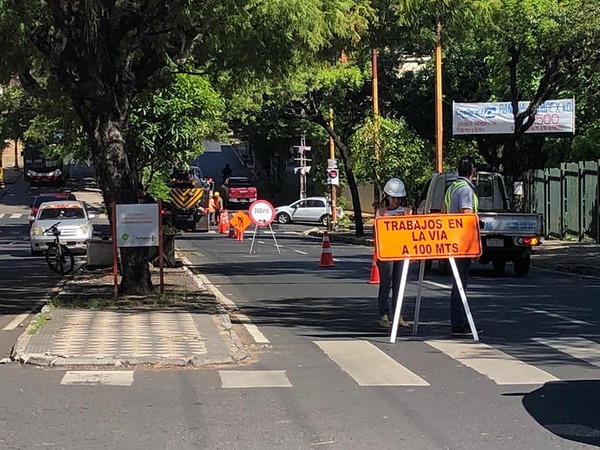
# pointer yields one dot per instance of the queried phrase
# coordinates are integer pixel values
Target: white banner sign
(137, 225)
(553, 116)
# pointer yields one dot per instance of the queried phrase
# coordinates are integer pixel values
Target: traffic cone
(239, 236)
(374, 279)
(326, 255)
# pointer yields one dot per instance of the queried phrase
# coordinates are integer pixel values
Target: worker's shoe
(463, 331)
(402, 323)
(384, 321)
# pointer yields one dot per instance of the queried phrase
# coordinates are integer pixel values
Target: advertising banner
(552, 116)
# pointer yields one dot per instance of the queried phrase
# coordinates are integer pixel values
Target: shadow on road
(568, 409)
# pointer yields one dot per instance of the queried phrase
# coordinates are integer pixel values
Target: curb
(225, 327)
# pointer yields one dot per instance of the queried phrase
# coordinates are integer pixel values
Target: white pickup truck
(505, 236)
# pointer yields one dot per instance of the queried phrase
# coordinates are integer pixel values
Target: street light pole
(439, 125)
(375, 87)
(333, 189)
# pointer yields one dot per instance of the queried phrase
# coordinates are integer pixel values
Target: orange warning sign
(240, 221)
(427, 236)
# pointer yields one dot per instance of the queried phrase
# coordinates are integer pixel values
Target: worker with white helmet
(395, 203)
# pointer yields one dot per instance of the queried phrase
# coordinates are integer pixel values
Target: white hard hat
(395, 188)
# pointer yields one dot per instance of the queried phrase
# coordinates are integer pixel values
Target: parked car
(311, 209)
(43, 198)
(73, 223)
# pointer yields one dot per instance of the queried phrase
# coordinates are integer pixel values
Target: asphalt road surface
(321, 373)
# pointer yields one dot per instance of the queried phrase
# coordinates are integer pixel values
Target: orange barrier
(239, 236)
(326, 255)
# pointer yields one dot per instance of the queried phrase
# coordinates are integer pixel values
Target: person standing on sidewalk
(394, 204)
(461, 198)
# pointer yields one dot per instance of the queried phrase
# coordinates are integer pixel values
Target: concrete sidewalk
(83, 326)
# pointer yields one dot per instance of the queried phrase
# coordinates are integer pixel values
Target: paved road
(321, 374)
(524, 386)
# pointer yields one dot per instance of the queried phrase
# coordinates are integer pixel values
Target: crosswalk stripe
(2, 216)
(98, 377)
(16, 216)
(368, 365)
(244, 379)
(494, 364)
(580, 348)
(16, 321)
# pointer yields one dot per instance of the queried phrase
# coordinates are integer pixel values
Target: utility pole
(375, 87)
(439, 124)
(303, 168)
(332, 188)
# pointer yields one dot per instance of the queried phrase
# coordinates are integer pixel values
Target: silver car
(73, 223)
(311, 209)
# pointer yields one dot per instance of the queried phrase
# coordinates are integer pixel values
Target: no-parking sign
(261, 213)
(333, 177)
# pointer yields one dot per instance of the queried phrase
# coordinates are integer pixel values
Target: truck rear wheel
(521, 265)
(499, 265)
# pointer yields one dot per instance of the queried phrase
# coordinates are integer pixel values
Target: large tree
(105, 52)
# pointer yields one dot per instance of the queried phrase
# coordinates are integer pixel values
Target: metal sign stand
(256, 234)
(400, 298)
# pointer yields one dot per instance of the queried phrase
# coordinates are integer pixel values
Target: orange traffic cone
(326, 255)
(239, 236)
(374, 279)
(223, 222)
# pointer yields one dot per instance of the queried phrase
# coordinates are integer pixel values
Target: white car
(311, 209)
(73, 223)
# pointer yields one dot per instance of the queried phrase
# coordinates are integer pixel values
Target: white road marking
(243, 379)
(2, 216)
(368, 365)
(440, 285)
(260, 242)
(204, 282)
(338, 260)
(556, 316)
(100, 377)
(494, 364)
(15, 322)
(15, 216)
(301, 252)
(584, 349)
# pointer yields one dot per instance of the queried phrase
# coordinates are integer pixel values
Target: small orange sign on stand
(429, 236)
(240, 221)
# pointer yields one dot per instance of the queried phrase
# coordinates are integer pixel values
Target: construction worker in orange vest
(211, 210)
(218, 207)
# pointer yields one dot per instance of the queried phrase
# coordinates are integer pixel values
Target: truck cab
(506, 236)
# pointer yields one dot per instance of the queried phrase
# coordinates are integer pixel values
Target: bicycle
(58, 256)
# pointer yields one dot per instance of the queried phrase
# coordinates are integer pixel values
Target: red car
(43, 198)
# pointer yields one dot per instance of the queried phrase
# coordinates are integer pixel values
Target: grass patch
(97, 301)
(37, 324)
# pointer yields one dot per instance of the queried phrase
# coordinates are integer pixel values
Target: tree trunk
(118, 180)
